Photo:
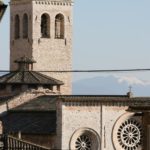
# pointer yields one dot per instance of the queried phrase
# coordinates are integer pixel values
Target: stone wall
(100, 119)
(110, 116)
(75, 118)
(50, 53)
(23, 98)
(20, 47)
(1, 128)
(146, 124)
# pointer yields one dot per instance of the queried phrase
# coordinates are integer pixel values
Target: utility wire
(86, 71)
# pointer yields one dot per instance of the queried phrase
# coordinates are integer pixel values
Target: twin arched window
(59, 26)
(24, 26)
(45, 26)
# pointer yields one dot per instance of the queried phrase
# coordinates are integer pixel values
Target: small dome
(25, 59)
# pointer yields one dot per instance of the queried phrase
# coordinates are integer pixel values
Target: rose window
(83, 142)
(129, 134)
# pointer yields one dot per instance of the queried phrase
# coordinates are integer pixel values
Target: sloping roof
(30, 123)
(28, 77)
(41, 103)
(48, 102)
(38, 116)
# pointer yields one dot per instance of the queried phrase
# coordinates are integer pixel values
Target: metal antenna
(130, 88)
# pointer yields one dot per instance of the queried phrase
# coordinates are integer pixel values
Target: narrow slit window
(17, 27)
(25, 26)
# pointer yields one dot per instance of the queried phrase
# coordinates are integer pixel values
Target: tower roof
(25, 76)
(28, 77)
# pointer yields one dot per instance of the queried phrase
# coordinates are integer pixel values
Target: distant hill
(111, 85)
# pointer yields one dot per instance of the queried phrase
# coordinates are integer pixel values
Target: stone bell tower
(42, 29)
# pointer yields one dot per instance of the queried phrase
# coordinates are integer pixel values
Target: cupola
(25, 64)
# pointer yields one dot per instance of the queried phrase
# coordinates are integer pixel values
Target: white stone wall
(75, 118)
(110, 115)
(53, 54)
(50, 53)
(99, 118)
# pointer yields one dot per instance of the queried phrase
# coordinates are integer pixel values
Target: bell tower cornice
(51, 1)
(54, 2)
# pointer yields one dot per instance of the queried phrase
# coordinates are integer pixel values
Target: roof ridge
(5, 75)
(32, 73)
(11, 76)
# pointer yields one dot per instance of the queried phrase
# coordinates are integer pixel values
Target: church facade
(36, 107)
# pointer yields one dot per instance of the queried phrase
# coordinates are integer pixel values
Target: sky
(107, 34)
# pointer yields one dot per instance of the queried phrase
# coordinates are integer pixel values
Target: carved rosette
(127, 134)
(85, 139)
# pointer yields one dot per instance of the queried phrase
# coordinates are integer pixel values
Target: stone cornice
(55, 2)
(107, 101)
(45, 2)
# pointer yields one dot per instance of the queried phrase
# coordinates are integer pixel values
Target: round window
(83, 142)
(85, 139)
(127, 132)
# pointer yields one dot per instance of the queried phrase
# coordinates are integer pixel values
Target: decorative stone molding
(49, 2)
(45, 2)
(106, 101)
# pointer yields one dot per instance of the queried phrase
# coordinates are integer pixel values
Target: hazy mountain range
(111, 85)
